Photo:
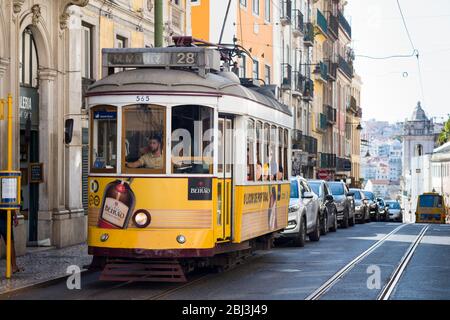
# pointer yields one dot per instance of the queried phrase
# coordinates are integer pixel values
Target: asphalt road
(291, 273)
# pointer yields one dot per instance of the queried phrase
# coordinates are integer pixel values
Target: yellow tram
(186, 163)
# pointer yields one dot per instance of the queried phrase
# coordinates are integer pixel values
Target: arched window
(419, 150)
(29, 61)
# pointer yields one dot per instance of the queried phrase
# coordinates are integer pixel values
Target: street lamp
(358, 125)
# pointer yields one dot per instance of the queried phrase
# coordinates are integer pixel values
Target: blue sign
(105, 115)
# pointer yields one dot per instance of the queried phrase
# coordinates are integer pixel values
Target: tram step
(143, 271)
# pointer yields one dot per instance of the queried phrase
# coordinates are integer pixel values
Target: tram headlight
(181, 239)
(141, 218)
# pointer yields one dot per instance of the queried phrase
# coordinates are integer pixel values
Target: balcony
(322, 23)
(343, 23)
(333, 26)
(308, 39)
(332, 71)
(299, 83)
(299, 26)
(286, 82)
(298, 141)
(352, 107)
(322, 123)
(286, 13)
(310, 145)
(327, 161)
(308, 90)
(343, 164)
(331, 114)
(322, 72)
(345, 67)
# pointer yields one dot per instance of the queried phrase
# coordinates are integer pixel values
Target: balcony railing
(299, 25)
(309, 34)
(310, 144)
(299, 82)
(346, 67)
(298, 143)
(308, 91)
(322, 22)
(327, 161)
(286, 82)
(345, 25)
(322, 123)
(286, 13)
(333, 26)
(343, 164)
(332, 71)
(331, 114)
(322, 71)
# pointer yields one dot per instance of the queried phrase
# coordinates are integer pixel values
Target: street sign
(9, 190)
(323, 174)
(36, 171)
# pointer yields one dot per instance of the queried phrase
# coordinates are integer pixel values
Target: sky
(391, 88)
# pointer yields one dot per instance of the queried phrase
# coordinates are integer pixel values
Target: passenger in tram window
(258, 171)
(273, 166)
(280, 173)
(266, 171)
(153, 159)
(272, 208)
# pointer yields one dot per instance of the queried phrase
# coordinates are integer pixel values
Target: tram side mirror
(68, 131)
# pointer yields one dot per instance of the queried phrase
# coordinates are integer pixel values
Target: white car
(304, 215)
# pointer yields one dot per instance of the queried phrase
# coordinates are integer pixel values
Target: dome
(419, 114)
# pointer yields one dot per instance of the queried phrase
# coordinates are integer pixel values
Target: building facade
(50, 51)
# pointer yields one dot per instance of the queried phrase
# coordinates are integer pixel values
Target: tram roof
(179, 81)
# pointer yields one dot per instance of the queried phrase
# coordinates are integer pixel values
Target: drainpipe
(159, 27)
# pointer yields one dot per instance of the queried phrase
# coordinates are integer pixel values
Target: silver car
(395, 210)
(304, 216)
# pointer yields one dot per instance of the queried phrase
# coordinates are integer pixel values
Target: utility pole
(159, 26)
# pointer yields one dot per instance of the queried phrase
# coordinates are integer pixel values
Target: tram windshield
(143, 135)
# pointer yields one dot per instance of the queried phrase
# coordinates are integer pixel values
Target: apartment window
(121, 42)
(243, 3)
(267, 74)
(267, 10)
(255, 4)
(255, 69)
(86, 51)
(242, 67)
(177, 2)
(28, 60)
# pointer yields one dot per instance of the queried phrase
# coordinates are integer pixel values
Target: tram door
(224, 186)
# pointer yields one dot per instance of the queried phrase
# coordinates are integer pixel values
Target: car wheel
(301, 237)
(324, 227)
(315, 235)
(334, 227)
(345, 219)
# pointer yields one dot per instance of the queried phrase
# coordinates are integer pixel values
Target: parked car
(345, 203)
(328, 209)
(373, 206)
(383, 210)
(361, 206)
(304, 213)
(395, 210)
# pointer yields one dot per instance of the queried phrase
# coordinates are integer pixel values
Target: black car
(345, 203)
(328, 209)
(373, 205)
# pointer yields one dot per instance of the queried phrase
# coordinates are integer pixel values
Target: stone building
(50, 51)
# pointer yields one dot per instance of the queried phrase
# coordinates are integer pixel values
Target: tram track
(394, 278)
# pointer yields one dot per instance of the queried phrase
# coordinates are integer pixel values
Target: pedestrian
(3, 230)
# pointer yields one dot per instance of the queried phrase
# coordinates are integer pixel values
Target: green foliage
(444, 136)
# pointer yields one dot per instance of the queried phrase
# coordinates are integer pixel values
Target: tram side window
(259, 151)
(143, 145)
(280, 174)
(285, 153)
(104, 139)
(250, 150)
(273, 157)
(192, 139)
(266, 152)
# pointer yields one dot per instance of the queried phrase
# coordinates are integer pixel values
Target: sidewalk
(42, 265)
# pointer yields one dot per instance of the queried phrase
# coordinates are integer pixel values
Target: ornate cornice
(17, 5)
(4, 63)
(64, 17)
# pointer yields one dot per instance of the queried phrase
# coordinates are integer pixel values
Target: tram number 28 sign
(153, 59)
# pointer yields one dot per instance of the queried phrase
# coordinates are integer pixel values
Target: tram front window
(144, 138)
(104, 139)
(192, 139)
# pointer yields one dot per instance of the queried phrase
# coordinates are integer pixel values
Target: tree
(444, 136)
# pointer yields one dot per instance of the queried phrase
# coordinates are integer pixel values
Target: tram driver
(153, 158)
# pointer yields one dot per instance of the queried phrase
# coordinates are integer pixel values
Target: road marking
(338, 275)
(395, 277)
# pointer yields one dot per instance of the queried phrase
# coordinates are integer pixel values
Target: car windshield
(294, 190)
(357, 194)
(315, 187)
(369, 195)
(393, 205)
(337, 188)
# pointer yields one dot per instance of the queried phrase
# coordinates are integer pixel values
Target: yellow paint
(200, 20)
(2, 108)
(137, 4)
(430, 212)
(106, 34)
(137, 39)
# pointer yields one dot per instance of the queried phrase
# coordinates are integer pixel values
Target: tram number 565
(142, 98)
(186, 58)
